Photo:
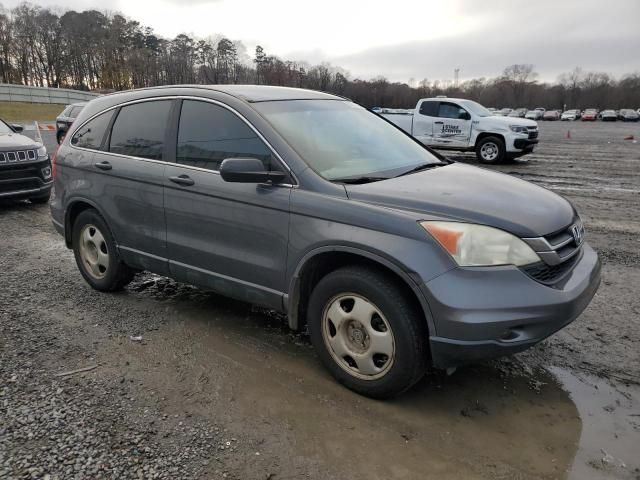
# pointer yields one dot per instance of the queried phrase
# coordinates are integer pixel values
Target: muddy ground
(217, 389)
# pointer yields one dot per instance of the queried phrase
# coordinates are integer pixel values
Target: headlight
(518, 129)
(473, 245)
(42, 151)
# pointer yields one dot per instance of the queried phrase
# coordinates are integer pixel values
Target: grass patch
(22, 111)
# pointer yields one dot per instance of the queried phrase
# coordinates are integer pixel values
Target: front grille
(18, 156)
(533, 134)
(550, 274)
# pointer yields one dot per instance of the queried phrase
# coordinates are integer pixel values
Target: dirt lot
(217, 389)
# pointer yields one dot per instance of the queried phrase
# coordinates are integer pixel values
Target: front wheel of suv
(367, 331)
(96, 253)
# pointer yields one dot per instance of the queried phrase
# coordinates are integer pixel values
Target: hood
(504, 122)
(15, 141)
(476, 195)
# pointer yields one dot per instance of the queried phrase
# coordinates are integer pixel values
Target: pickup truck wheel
(367, 333)
(96, 253)
(490, 150)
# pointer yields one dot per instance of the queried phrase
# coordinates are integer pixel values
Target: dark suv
(25, 169)
(393, 257)
(66, 118)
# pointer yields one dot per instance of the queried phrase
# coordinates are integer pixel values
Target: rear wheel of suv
(96, 253)
(367, 332)
(490, 150)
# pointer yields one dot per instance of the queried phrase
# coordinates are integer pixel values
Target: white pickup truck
(458, 124)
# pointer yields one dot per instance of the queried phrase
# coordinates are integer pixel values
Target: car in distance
(570, 115)
(518, 113)
(551, 115)
(309, 204)
(589, 115)
(534, 115)
(25, 169)
(504, 112)
(608, 116)
(66, 118)
(464, 125)
(628, 115)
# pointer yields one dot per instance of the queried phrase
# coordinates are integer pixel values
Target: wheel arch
(74, 208)
(321, 261)
(482, 135)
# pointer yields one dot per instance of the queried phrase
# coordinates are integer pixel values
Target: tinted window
(75, 111)
(90, 135)
(209, 133)
(139, 130)
(429, 109)
(450, 110)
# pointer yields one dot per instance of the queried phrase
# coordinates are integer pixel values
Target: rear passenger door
(128, 176)
(228, 237)
(423, 120)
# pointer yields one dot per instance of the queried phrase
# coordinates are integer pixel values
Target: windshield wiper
(422, 166)
(359, 180)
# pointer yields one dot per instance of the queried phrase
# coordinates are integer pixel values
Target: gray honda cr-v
(393, 257)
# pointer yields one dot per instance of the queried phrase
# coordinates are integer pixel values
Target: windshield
(475, 108)
(339, 139)
(4, 128)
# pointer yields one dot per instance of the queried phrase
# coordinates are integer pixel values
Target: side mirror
(248, 170)
(16, 127)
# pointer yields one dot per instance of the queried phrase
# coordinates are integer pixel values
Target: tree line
(91, 50)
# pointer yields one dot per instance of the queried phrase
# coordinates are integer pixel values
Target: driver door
(452, 127)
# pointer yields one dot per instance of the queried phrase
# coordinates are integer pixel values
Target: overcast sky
(404, 39)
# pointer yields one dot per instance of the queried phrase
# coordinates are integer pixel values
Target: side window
(90, 135)
(209, 133)
(139, 129)
(75, 111)
(430, 109)
(451, 110)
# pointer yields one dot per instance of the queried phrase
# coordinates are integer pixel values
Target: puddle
(610, 439)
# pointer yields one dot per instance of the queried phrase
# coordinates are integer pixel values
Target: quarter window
(209, 133)
(430, 109)
(90, 135)
(139, 129)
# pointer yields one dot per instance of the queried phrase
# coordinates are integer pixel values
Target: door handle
(184, 180)
(103, 165)
(438, 123)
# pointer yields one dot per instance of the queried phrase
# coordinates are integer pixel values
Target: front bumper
(489, 312)
(525, 143)
(20, 180)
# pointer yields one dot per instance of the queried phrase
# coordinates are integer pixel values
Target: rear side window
(90, 135)
(209, 133)
(139, 129)
(430, 109)
(75, 111)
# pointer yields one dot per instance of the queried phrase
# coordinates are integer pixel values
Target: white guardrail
(24, 93)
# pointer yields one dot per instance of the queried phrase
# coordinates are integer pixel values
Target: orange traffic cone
(630, 137)
(568, 134)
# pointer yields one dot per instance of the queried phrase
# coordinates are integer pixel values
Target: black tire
(116, 274)
(406, 321)
(496, 143)
(41, 199)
